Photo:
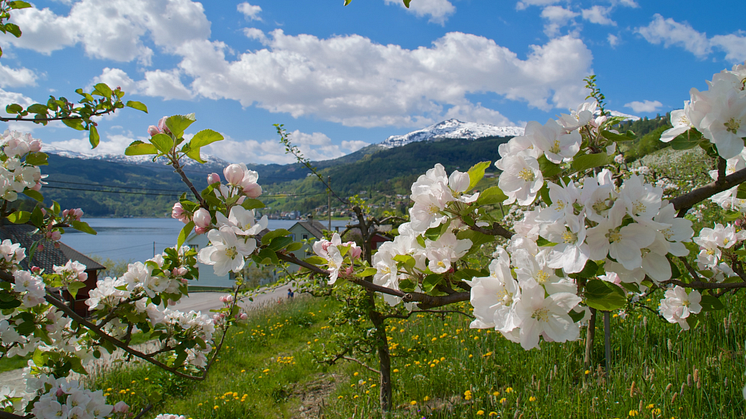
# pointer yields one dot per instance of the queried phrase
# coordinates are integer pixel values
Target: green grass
(263, 370)
(267, 369)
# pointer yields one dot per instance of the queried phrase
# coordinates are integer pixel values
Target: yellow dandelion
(532, 399)
(633, 413)
(413, 402)
(480, 412)
(509, 390)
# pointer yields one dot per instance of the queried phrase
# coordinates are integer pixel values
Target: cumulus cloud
(114, 29)
(356, 82)
(671, 33)
(613, 40)
(556, 17)
(477, 113)
(315, 146)
(7, 98)
(599, 15)
(646, 106)
(158, 83)
(257, 34)
(16, 77)
(521, 5)
(249, 11)
(438, 10)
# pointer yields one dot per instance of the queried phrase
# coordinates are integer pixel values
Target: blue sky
(340, 78)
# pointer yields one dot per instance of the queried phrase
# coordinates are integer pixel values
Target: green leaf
(18, 4)
(617, 138)
(267, 256)
(38, 108)
(138, 148)
(193, 153)
(431, 281)
(9, 304)
(406, 3)
(102, 89)
(93, 136)
(589, 161)
(203, 138)
(13, 108)
(347, 2)
(687, 140)
(491, 195)
(13, 29)
(37, 158)
(178, 123)
(137, 105)
(604, 296)
(548, 169)
(468, 274)
(477, 238)
(407, 261)
(251, 203)
(292, 247)
(476, 173)
(710, 303)
(163, 142)
(367, 272)
(74, 286)
(19, 217)
(267, 238)
(84, 227)
(280, 243)
(184, 233)
(74, 123)
(576, 316)
(34, 194)
(315, 260)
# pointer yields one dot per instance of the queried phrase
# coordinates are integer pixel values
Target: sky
(339, 78)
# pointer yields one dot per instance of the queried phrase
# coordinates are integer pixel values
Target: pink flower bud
(202, 218)
(184, 281)
(162, 127)
(349, 271)
(153, 130)
(355, 252)
(178, 212)
(234, 173)
(36, 270)
(226, 299)
(34, 146)
(82, 276)
(243, 316)
(55, 235)
(65, 212)
(60, 392)
(121, 407)
(213, 178)
(78, 213)
(180, 271)
(40, 248)
(201, 230)
(36, 187)
(252, 190)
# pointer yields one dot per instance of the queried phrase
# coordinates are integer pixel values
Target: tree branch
(684, 202)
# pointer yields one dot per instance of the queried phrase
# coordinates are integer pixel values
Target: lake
(138, 239)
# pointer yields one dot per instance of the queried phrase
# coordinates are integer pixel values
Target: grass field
(443, 369)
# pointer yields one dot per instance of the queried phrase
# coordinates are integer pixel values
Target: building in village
(51, 256)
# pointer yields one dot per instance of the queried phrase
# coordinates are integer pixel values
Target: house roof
(313, 227)
(50, 255)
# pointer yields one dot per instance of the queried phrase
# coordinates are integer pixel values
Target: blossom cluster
(718, 113)
(334, 252)
(232, 240)
(16, 175)
(62, 398)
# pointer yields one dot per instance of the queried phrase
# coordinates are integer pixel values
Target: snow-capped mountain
(121, 158)
(452, 128)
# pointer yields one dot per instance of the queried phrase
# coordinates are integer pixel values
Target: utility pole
(329, 200)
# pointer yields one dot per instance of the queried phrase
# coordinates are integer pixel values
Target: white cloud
(646, 106)
(613, 40)
(526, 3)
(116, 77)
(438, 10)
(354, 145)
(7, 98)
(669, 32)
(353, 81)
(316, 146)
(672, 33)
(12, 77)
(114, 29)
(733, 45)
(254, 33)
(556, 17)
(249, 11)
(165, 84)
(629, 3)
(599, 15)
(477, 113)
(110, 144)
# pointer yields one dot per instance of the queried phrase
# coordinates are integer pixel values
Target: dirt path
(197, 301)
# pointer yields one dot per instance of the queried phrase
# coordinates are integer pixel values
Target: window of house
(305, 237)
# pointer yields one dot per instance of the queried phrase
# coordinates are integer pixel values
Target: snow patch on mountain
(452, 128)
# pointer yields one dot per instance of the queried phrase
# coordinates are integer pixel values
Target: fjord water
(134, 239)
